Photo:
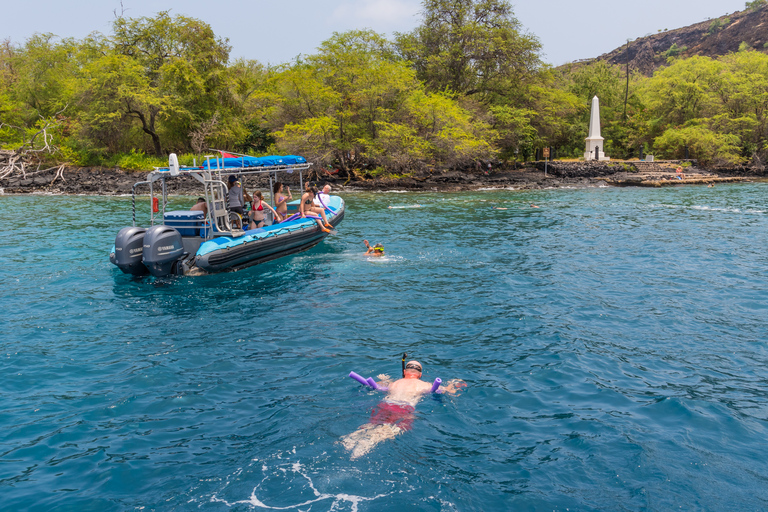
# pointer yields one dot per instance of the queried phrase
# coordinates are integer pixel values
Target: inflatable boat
(185, 242)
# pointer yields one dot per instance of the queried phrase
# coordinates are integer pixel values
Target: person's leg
(365, 439)
(322, 228)
(321, 211)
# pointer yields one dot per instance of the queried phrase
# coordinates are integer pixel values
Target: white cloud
(379, 15)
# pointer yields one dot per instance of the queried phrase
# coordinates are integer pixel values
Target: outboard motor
(129, 245)
(162, 249)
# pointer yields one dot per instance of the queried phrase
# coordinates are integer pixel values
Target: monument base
(591, 156)
(593, 147)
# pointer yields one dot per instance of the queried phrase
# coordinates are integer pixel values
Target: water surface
(613, 342)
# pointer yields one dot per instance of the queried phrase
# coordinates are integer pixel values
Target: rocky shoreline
(101, 181)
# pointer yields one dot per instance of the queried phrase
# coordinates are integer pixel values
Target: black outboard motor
(129, 246)
(162, 248)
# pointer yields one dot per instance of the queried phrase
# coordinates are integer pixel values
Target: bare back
(408, 391)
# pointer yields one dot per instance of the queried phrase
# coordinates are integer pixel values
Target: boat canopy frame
(214, 188)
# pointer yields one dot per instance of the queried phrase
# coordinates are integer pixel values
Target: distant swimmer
(498, 208)
(376, 250)
(533, 206)
(395, 414)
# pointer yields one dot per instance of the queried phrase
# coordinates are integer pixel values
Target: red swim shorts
(393, 414)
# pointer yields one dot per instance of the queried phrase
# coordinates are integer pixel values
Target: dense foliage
(467, 85)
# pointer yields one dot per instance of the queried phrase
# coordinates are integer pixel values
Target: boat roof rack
(234, 163)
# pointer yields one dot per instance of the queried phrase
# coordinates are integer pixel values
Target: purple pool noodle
(358, 378)
(326, 207)
(373, 384)
(297, 215)
(436, 386)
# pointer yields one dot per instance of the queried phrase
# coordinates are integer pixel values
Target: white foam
(297, 469)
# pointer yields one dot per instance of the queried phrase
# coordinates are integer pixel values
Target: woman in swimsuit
(307, 206)
(281, 202)
(258, 214)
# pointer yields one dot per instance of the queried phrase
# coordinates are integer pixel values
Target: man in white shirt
(325, 196)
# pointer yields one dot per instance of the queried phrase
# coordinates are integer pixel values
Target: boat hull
(252, 249)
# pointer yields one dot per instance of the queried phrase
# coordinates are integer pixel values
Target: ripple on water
(612, 341)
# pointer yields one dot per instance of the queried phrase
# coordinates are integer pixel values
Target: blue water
(613, 342)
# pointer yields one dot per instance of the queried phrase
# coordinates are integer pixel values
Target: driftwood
(32, 153)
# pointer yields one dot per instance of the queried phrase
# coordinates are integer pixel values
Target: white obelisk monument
(594, 140)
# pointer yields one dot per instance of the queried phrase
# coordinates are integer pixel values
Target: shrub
(704, 144)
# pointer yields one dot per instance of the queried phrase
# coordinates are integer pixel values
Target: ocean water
(613, 342)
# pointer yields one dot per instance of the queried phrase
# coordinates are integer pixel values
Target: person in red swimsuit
(259, 214)
(395, 414)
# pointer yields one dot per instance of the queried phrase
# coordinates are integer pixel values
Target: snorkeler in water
(376, 250)
(395, 414)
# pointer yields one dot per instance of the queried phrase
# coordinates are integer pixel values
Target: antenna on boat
(173, 164)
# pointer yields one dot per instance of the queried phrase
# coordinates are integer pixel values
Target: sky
(277, 31)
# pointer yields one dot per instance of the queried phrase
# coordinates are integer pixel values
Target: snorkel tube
(404, 356)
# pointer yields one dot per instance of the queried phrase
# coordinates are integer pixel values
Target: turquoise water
(613, 342)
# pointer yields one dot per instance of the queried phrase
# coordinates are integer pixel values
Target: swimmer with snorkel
(376, 250)
(395, 414)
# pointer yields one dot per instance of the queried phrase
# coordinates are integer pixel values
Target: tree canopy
(466, 85)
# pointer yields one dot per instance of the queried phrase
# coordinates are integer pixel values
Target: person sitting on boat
(395, 414)
(281, 201)
(324, 196)
(200, 206)
(258, 214)
(376, 250)
(307, 207)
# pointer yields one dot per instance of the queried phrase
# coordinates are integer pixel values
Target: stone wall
(590, 169)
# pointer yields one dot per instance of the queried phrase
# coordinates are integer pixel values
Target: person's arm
(453, 386)
(274, 212)
(301, 206)
(368, 246)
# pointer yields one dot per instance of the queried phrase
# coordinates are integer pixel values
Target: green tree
(682, 92)
(357, 105)
(181, 80)
(471, 47)
(742, 88)
(43, 71)
(11, 108)
(705, 144)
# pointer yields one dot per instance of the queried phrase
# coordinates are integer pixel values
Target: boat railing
(133, 200)
(211, 175)
(217, 199)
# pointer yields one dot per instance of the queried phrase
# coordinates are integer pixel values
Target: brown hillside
(711, 38)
